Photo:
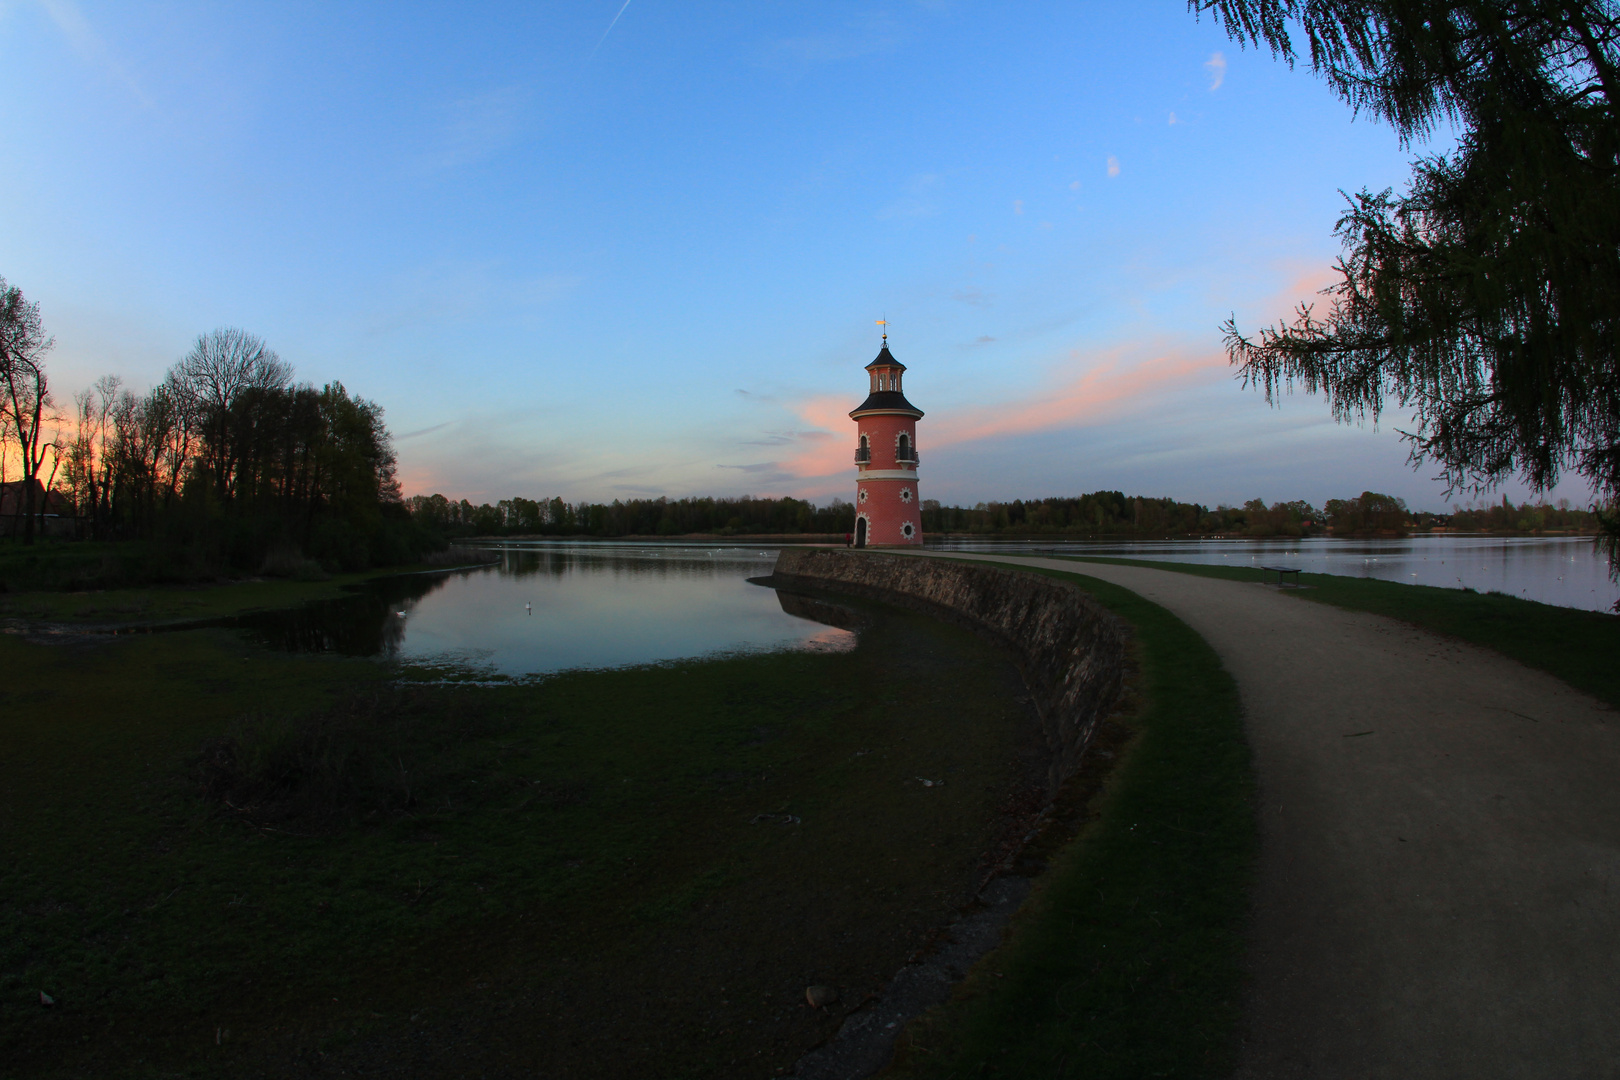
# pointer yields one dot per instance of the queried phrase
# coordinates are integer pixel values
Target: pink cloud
(1308, 283)
(826, 417)
(1111, 384)
(1104, 389)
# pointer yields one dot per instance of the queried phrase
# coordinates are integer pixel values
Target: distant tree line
(1112, 513)
(634, 517)
(1526, 517)
(1101, 513)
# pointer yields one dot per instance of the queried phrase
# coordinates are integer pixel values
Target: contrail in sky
(609, 30)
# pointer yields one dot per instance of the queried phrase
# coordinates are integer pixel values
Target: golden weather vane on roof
(884, 322)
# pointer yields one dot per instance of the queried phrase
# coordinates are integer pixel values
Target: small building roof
(885, 359)
(886, 401)
(13, 493)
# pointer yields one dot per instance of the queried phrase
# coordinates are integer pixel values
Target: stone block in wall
(1070, 650)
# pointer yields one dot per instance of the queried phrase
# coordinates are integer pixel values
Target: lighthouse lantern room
(888, 510)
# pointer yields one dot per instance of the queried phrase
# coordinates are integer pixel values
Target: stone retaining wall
(1070, 649)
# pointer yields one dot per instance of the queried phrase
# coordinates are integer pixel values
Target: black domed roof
(887, 401)
(885, 359)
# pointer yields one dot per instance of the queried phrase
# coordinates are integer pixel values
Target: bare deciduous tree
(222, 364)
(90, 457)
(26, 406)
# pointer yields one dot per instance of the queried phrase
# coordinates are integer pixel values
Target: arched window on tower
(863, 452)
(903, 451)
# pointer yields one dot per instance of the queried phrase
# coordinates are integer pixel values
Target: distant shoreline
(1058, 537)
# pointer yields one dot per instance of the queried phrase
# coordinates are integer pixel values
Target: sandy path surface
(1439, 884)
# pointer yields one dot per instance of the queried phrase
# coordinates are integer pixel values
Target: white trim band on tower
(887, 474)
(915, 414)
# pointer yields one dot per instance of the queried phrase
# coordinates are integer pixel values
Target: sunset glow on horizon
(601, 251)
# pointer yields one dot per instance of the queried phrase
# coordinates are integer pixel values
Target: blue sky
(647, 260)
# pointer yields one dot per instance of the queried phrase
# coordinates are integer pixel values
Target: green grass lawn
(622, 873)
(86, 584)
(1579, 647)
(629, 873)
(158, 604)
(1126, 960)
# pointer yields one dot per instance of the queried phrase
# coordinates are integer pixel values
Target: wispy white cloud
(877, 32)
(772, 438)
(447, 293)
(822, 48)
(84, 40)
(1113, 165)
(973, 296)
(474, 127)
(1216, 65)
(419, 432)
(537, 291)
(921, 199)
(1173, 119)
(609, 29)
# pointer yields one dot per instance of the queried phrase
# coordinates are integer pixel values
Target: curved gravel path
(1438, 892)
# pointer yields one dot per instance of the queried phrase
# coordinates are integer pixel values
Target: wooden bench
(1280, 571)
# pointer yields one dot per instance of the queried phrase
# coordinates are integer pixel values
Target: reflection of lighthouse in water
(888, 509)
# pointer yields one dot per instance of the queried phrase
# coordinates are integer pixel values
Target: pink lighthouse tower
(887, 507)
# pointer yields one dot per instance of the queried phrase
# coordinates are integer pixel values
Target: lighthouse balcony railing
(909, 458)
(863, 455)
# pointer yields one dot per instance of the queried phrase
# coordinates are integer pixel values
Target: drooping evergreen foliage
(1486, 298)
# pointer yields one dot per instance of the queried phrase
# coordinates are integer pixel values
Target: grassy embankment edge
(1576, 646)
(1127, 959)
(1034, 1006)
(170, 603)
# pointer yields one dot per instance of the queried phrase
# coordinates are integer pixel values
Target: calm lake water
(551, 607)
(548, 607)
(1563, 570)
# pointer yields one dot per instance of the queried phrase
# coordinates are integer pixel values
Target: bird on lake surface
(529, 608)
